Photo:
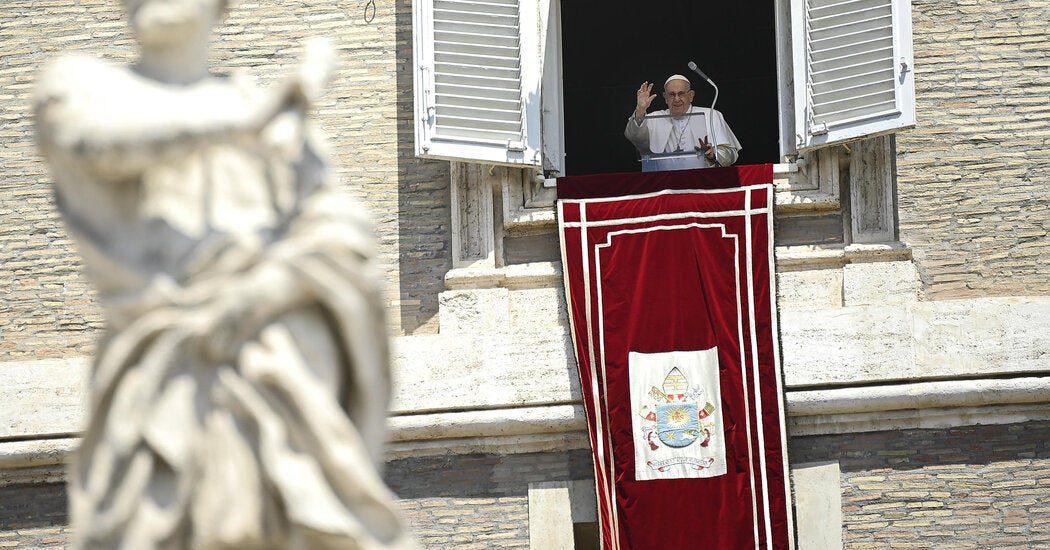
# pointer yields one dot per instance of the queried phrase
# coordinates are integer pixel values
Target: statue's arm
(117, 124)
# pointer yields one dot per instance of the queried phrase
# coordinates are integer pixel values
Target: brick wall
(33, 516)
(968, 487)
(48, 310)
(974, 175)
(477, 502)
(974, 199)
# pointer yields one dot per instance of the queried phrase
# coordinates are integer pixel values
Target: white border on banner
(775, 330)
(740, 332)
(747, 213)
(602, 485)
(610, 485)
(667, 217)
(671, 192)
(754, 366)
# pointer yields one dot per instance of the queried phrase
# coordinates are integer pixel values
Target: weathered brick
(367, 117)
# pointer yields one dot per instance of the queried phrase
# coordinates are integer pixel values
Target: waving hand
(645, 98)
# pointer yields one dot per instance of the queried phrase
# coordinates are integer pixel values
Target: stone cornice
(562, 425)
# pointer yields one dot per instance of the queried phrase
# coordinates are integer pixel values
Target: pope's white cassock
(671, 134)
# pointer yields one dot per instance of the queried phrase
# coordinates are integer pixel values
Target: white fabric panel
(676, 413)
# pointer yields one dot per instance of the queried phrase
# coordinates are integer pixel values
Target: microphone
(695, 69)
(710, 134)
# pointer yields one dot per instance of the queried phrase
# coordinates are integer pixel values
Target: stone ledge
(923, 395)
(797, 258)
(788, 258)
(530, 362)
(792, 203)
(794, 194)
(519, 276)
(909, 419)
(562, 426)
(785, 202)
(558, 418)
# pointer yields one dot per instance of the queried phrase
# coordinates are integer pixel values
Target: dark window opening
(585, 536)
(609, 47)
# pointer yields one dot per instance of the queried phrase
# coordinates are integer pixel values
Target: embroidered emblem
(677, 415)
(676, 419)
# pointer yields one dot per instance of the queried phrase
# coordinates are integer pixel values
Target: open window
(549, 84)
(852, 69)
(477, 80)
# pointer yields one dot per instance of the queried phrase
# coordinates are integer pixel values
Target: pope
(680, 127)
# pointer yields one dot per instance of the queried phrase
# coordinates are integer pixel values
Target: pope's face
(678, 96)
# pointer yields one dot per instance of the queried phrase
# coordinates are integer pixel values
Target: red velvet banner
(670, 286)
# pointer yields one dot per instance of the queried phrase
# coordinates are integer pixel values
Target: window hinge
(819, 129)
(516, 146)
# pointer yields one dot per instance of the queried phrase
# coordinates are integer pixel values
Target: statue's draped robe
(278, 443)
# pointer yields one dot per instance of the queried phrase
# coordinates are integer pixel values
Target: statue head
(158, 23)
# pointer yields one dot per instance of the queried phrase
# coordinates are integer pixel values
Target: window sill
(778, 169)
(797, 191)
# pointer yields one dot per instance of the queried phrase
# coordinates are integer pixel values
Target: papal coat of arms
(677, 412)
(679, 421)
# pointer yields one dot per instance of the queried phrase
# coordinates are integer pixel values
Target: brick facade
(968, 487)
(47, 309)
(973, 202)
(33, 516)
(477, 501)
(973, 177)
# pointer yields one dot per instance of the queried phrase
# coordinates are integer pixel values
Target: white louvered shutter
(853, 69)
(477, 81)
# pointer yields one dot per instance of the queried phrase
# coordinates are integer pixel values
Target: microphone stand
(710, 129)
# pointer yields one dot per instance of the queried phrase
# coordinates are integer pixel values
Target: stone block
(879, 283)
(1003, 335)
(43, 398)
(844, 345)
(812, 289)
(475, 311)
(818, 505)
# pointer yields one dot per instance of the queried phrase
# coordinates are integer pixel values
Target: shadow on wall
(424, 217)
(33, 507)
(484, 475)
(970, 449)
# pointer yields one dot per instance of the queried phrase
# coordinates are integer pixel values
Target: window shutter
(853, 68)
(551, 96)
(477, 81)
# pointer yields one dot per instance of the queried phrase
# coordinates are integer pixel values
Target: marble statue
(239, 392)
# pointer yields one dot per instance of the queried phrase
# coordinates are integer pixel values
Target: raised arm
(117, 123)
(644, 98)
(636, 131)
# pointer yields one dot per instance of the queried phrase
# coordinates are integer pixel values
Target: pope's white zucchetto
(676, 77)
